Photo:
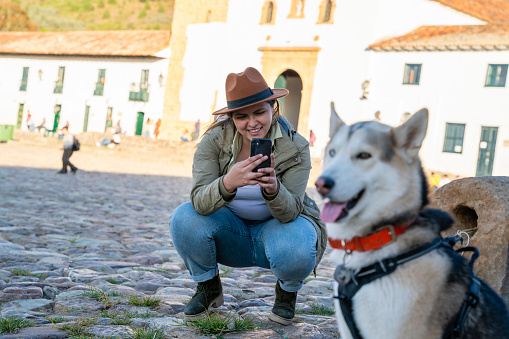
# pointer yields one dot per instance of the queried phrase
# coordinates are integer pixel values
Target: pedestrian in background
(118, 128)
(312, 138)
(444, 181)
(68, 150)
(196, 134)
(158, 126)
(434, 180)
(30, 122)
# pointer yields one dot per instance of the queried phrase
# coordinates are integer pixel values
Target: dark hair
(65, 127)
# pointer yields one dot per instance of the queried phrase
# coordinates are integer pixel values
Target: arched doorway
(292, 81)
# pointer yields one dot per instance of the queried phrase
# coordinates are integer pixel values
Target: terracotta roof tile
(94, 43)
(482, 37)
(491, 11)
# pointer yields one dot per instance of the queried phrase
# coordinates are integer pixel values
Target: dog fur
(422, 297)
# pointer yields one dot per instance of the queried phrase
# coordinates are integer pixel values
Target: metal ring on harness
(348, 253)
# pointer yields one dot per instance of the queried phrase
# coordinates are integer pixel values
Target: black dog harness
(347, 288)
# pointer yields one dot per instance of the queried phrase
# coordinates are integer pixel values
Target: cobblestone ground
(90, 256)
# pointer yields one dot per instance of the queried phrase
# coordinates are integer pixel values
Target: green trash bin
(6, 133)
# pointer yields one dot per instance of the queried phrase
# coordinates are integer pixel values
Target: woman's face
(254, 121)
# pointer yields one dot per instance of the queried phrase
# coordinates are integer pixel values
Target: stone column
(482, 206)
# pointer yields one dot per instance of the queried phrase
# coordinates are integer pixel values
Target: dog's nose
(324, 185)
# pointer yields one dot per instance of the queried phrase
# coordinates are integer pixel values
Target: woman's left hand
(268, 182)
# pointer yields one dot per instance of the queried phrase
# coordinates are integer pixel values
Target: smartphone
(261, 146)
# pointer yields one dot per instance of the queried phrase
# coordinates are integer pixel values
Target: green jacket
(292, 165)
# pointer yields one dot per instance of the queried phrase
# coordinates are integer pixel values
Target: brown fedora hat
(247, 89)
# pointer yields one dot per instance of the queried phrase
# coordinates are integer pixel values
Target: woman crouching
(241, 218)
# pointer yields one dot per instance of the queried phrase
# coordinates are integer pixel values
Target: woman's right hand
(242, 173)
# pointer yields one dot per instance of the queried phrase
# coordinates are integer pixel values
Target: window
(326, 12)
(297, 9)
(99, 85)
(412, 74)
(24, 80)
(326, 16)
(144, 80)
(109, 118)
(270, 9)
(59, 84)
(142, 94)
(453, 141)
(496, 76)
(268, 13)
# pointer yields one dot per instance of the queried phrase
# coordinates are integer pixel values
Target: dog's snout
(324, 185)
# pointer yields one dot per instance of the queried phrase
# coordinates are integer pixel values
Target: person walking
(158, 127)
(312, 138)
(240, 218)
(68, 150)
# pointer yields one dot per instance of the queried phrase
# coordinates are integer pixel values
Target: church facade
(374, 59)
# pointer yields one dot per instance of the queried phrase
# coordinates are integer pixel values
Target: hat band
(250, 99)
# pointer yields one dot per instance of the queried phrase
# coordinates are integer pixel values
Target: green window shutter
(143, 92)
(412, 75)
(496, 75)
(99, 85)
(59, 84)
(453, 140)
(24, 80)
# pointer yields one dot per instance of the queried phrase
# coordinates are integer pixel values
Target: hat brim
(278, 93)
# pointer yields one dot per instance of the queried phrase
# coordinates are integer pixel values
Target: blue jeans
(289, 250)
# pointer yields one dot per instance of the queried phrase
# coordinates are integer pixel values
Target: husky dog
(397, 278)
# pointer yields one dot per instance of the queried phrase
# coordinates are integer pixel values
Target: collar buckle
(392, 232)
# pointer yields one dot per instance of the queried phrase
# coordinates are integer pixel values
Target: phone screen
(261, 146)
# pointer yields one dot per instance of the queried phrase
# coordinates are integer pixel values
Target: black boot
(208, 294)
(284, 306)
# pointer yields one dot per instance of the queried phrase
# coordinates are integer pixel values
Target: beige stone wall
(303, 61)
(185, 13)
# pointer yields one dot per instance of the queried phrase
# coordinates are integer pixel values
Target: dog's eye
(363, 155)
(332, 153)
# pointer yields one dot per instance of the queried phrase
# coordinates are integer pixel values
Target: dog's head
(372, 174)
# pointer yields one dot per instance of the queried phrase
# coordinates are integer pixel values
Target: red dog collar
(371, 242)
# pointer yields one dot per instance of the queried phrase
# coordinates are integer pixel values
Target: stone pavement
(91, 253)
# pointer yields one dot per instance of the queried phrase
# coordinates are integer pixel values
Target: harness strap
(367, 274)
(469, 303)
(347, 310)
(472, 295)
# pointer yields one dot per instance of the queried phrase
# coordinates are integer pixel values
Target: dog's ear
(335, 122)
(409, 136)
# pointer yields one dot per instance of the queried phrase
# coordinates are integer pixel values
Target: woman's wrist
(227, 185)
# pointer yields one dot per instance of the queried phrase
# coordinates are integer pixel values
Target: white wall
(81, 74)
(344, 63)
(452, 88)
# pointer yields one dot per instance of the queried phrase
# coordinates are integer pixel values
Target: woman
(242, 218)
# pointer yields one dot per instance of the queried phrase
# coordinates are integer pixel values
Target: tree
(14, 18)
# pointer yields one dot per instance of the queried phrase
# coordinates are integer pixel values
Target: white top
(249, 204)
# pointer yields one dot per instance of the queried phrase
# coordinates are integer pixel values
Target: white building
(460, 74)
(89, 79)
(347, 51)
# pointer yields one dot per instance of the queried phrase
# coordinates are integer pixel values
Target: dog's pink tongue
(331, 211)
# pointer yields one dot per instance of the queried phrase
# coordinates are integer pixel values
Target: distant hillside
(66, 15)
